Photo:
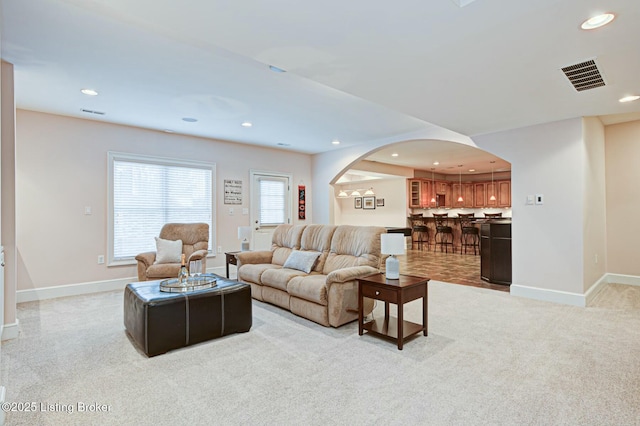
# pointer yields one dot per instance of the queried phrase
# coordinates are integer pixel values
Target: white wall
(62, 167)
(622, 149)
(547, 239)
(393, 214)
(594, 225)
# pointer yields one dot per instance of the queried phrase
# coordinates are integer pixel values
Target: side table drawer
(377, 293)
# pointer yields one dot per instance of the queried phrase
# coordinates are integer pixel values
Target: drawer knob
(377, 293)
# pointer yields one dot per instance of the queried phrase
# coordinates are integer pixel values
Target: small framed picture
(379, 202)
(357, 202)
(369, 203)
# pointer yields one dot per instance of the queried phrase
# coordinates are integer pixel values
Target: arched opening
(409, 184)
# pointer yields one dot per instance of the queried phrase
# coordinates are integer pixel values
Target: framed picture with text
(368, 203)
(357, 202)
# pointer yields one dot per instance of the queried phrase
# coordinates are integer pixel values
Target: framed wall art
(368, 203)
(379, 202)
(357, 202)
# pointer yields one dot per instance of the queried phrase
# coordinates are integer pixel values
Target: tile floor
(448, 267)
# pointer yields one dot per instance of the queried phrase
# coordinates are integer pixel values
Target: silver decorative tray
(201, 282)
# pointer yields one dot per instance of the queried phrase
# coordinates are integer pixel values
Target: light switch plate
(530, 199)
(539, 199)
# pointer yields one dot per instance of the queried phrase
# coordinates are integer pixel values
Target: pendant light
(493, 187)
(369, 192)
(343, 194)
(433, 187)
(460, 200)
(356, 193)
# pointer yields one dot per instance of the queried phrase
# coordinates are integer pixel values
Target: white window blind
(148, 193)
(273, 201)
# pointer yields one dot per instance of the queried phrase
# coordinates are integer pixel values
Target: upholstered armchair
(165, 261)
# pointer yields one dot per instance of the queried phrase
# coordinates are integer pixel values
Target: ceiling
(357, 71)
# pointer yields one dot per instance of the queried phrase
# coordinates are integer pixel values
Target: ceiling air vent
(90, 111)
(584, 76)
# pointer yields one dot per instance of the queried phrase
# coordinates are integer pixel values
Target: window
(273, 201)
(147, 192)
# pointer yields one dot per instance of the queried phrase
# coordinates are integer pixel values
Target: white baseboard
(44, 293)
(10, 331)
(573, 299)
(547, 295)
(623, 279)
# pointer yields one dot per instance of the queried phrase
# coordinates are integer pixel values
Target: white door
(270, 206)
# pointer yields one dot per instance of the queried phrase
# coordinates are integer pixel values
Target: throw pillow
(301, 260)
(168, 251)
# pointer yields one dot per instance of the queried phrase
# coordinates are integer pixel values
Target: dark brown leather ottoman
(159, 322)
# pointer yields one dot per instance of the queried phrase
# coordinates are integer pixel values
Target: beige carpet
(490, 358)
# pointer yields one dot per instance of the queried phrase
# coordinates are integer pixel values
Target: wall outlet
(219, 249)
(539, 199)
(87, 210)
(100, 259)
(231, 211)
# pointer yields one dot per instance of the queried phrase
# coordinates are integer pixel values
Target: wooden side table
(231, 259)
(400, 291)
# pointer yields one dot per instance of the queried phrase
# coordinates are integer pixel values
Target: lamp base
(392, 268)
(244, 246)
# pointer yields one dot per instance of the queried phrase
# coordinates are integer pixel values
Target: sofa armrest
(198, 255)
(245, 257)
(144, 261)
(348, 274)
(147, 258)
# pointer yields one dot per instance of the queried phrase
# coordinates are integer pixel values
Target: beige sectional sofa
(311, 270)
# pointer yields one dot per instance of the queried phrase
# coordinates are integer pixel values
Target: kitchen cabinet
(415, 193)
(504, 193)
(474, 194)
(420, 193)
(480, 194)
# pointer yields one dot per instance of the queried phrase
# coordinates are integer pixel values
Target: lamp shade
(244, 232)
(392, 243)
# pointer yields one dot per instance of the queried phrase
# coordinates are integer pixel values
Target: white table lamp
(244, 233)
(392, 244)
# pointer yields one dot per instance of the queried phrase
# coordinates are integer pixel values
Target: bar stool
(420, 229)
(444, 231)
(492, 215)
(469, 234)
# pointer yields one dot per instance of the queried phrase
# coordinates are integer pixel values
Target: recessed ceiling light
(189, 119)
(168, 131)
(597, 21)
(395, 154)
(335, 142)
(472, 170)
(276, 69)
(89, 92)
(435, 163)
(246, 124)
(629, 98)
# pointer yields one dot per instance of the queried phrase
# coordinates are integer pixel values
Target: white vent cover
(584, 76)
(90, 111)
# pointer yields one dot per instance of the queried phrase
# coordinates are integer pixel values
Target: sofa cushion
(278, 278)
(317, 238)
(354, 246)
(252, 273)
(163, 270)
(302, 260)
(168, 251)
(310, 287)
(285, 239)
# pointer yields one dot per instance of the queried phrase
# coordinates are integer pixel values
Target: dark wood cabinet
(495, 252)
